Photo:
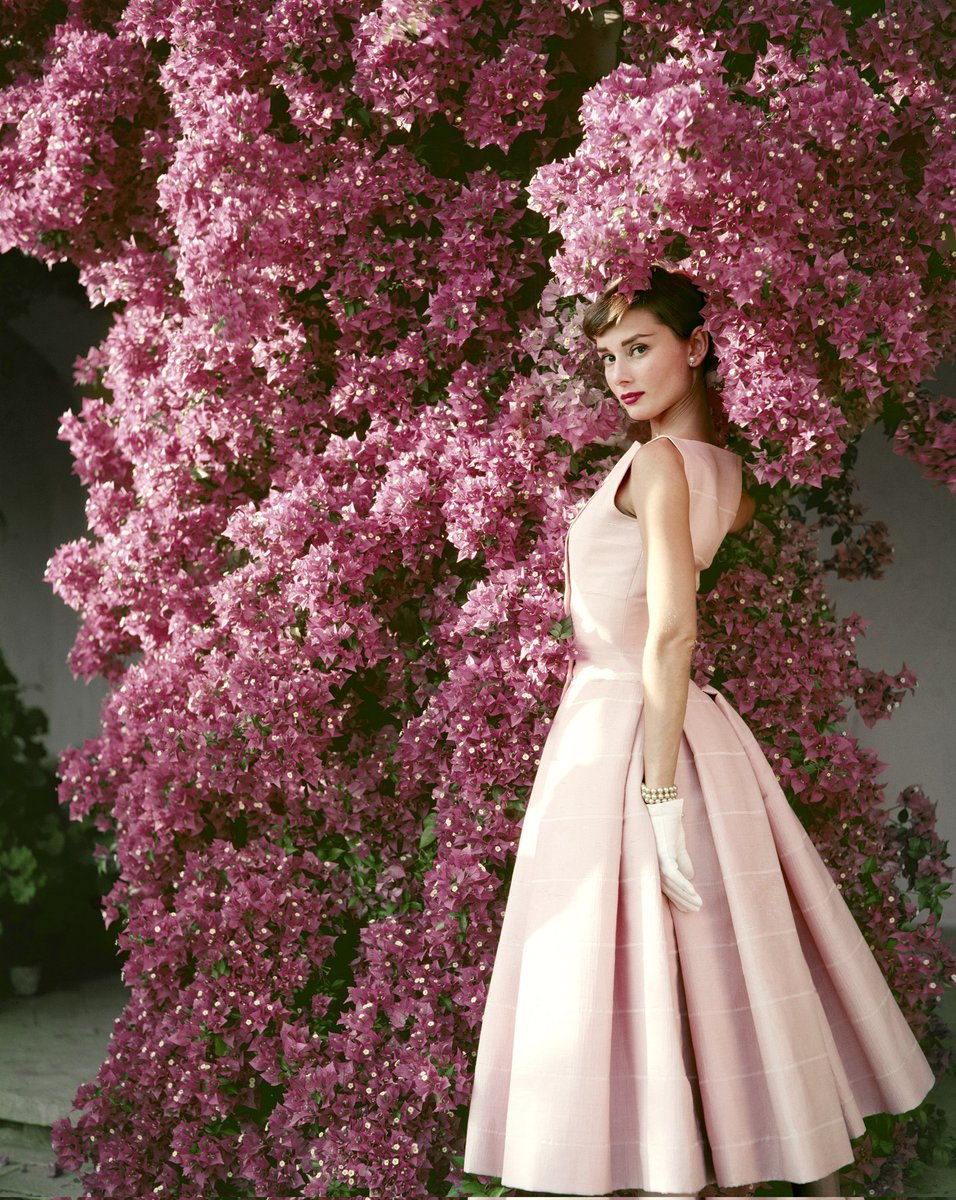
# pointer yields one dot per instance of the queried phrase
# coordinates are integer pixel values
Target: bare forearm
(666, 675)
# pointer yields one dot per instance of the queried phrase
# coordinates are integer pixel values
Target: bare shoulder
(656, 478)
(659, 464)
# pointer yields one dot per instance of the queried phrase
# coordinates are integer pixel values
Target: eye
(638, 346)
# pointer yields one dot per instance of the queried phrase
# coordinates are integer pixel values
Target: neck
(690, 418)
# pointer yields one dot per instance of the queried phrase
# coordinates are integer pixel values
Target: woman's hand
(675, 866)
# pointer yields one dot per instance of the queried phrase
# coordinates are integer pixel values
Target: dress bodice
(604, 564)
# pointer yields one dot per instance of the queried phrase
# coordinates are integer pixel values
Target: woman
(680, 996)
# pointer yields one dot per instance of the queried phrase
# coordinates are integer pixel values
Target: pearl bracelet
(658, 795)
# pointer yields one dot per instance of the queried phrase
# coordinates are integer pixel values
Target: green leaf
(20, 874)
(562, 630)
(428, 832)
(471, 1186)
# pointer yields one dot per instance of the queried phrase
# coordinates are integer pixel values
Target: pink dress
(626, 1044)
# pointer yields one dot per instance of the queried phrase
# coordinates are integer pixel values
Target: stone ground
(49, 1044)
(52, 1042)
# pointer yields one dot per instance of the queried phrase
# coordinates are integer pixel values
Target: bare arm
(745, 512)
(659, 493)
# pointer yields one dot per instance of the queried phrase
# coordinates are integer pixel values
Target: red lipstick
(630, 397)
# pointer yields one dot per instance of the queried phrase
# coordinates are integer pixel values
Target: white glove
(676, 868)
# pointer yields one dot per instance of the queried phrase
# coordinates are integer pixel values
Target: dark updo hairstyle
(671, 296)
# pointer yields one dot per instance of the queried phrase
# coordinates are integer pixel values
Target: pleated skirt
(625, 1044)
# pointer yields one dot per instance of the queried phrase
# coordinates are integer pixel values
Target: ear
(698, 344)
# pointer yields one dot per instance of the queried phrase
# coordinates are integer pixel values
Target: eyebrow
(635, 337)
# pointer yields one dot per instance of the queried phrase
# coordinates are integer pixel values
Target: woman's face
(647, 366)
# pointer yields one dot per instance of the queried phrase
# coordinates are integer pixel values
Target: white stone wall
(913, 620)
(41, 505)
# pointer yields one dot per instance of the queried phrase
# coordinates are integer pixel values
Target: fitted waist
(624, 668)
(609, 665)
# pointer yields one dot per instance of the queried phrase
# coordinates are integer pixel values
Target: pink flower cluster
(331, 445)
(79, 153)
(414, 59)
(810, 204)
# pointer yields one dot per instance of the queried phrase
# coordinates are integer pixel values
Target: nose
(618, 373)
